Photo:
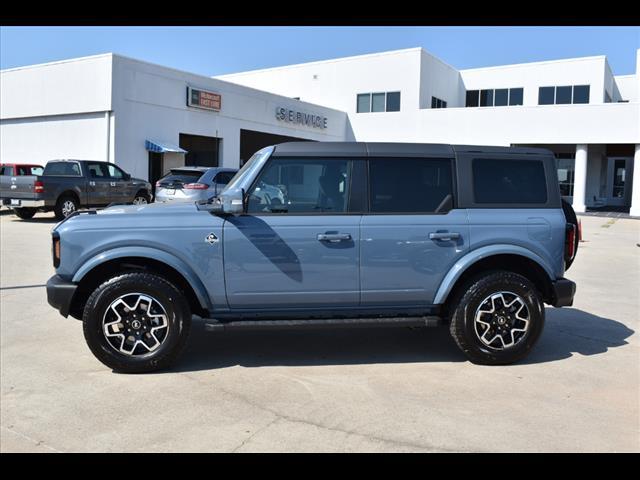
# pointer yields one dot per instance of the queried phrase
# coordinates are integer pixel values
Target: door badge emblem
(211, 238)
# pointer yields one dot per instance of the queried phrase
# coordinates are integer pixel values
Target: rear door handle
(334, 237)
(444, 236)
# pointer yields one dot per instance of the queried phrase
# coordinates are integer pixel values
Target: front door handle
(334, 237)
(113, 184)
(444, 236)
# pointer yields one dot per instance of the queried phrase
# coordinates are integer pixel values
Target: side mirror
(233, 203)
(126, 176)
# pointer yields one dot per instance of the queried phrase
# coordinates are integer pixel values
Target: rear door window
(98, 170)
(509, 181)
(6, 171)
(410, 185)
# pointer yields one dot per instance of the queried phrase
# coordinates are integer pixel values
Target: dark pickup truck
(67, 185)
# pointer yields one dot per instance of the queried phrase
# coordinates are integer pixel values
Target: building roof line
(58, 62)
(510, 65)
(318, 62)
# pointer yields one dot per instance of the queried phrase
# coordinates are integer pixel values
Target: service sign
(202, 99)
(303, 118)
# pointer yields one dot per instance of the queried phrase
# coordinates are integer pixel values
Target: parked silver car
(192, 184)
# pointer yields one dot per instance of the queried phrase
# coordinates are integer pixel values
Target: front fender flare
(474, 256)
(153, 254)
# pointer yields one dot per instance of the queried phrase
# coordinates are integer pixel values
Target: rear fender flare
(474, 256)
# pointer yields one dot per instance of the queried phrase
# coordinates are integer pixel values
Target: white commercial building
(138, 114)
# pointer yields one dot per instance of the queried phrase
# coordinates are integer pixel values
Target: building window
(499, 97)
(566, 169)
(563, 95)
(364, 103)
(437, 103)
(378, 102)
(486, 98)
(473, 98)
(581, 94)
(393, 101)
(546, 95)
(515, 96)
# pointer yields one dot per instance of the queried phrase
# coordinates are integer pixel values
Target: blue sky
(220, 50)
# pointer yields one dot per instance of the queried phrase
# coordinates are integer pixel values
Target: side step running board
(215, 325)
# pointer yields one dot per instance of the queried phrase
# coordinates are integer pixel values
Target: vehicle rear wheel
(136, 323)
(141, 198)
(497, 318)
(25, 213)
(65, 206)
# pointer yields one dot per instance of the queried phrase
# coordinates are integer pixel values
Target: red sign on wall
(203, 99)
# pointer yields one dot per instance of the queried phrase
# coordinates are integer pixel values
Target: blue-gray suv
(326, 234)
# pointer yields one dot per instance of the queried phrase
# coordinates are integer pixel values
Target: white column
(635, 188)
(580, 178)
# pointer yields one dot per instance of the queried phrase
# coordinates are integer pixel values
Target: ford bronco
(324, 234)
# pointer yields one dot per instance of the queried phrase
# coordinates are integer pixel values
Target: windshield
(247, 167)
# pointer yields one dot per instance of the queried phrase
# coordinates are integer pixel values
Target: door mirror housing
(233, 202)
(126, 176)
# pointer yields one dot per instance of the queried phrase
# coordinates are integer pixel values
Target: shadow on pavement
(35, 219)
(567, 331)
(308, 347)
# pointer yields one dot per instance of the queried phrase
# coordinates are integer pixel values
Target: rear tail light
(38, 186)
(55, 249)
(196, 186)
(570, 241)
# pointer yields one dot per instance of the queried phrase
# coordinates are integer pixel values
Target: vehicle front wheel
(65, 206)
(497, 318)
(25, 213)
(141, 198)
(136, 323)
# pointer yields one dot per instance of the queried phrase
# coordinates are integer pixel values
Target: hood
(153, 215)
(150, 209)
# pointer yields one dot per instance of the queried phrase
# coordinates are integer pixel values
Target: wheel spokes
(135, 320)
(501, 315)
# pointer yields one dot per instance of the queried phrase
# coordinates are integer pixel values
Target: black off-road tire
(60, 205)
(25, 213)
(469, 298)
(171, 299)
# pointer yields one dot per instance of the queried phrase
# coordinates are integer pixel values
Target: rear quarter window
(509, 181)
(66, 169)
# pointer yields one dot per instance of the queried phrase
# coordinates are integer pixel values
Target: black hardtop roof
(384, 149)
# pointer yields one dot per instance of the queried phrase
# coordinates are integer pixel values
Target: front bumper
(19, 203)
(563, 292)
(60, 294)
